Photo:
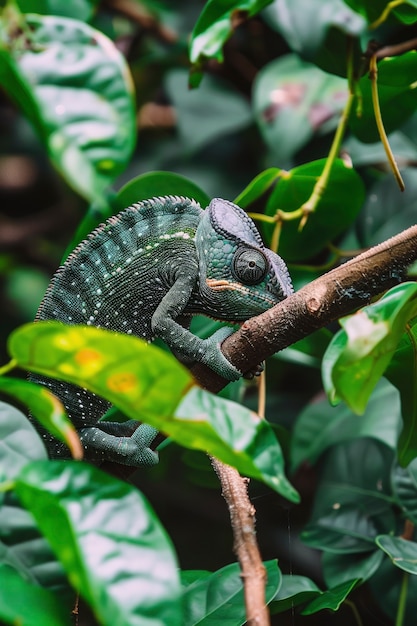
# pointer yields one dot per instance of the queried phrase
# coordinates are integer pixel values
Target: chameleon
(146, 271)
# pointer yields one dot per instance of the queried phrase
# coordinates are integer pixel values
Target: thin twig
(242, 519)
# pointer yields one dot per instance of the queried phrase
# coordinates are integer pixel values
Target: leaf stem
(322, 182)
(5, 369)
(402, 600)
(373, 73)
(311, 204)
(381, 19)
(355, 611)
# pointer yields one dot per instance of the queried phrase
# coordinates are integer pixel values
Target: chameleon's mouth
(228, 285)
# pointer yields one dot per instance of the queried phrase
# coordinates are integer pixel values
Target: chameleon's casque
(145, 272)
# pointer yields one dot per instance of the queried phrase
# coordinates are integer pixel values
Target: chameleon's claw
(143, 437)
(256, 371)
(214, 358)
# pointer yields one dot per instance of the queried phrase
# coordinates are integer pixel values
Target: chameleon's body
(145, 272)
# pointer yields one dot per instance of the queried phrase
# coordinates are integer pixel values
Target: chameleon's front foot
(133, 450)
(213, 357)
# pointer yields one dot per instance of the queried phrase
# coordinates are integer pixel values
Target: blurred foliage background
(273, 90)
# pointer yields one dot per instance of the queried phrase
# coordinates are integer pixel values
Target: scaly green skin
(145, 272)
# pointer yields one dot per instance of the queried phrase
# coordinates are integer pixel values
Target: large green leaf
(320, 426)
(335, 212)
(218, 598)
(340, 568)
(26, 604)
(215, 25)
(234, 435)
(223, 109)
(387, 212)
(402, 372)
(360, 353)
(131, 374)
(80, 98)
(318, 31)
(396, 93)
(257, 187)
(126, 370)
(47, 409)
(402, 552)
(78, 9)
(331, 599)
(294, 590)
(353, 503)
(22, 548)
(293, 101)
(153, 184)
(108, 539)
(404, 482)
(387, 586)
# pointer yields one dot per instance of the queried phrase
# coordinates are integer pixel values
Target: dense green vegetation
(304, 112)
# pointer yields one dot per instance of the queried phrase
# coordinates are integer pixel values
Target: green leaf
(215, 25)
(386, 212)
(22, 548)
(154, 184)
(407, 12)
(371, 9)
(360, 353)
(320, 426)
(78, 9)
(108, 539)
(341, 568)
(26, 604)
(318, 31)
(335, 212)
(387, 587)
(353, 503)
(130, 374)
(19, 442)
(47, 409)
(218, 598)
(396, 93)
(308, 351)
(331, 599)
(402, 553)
(257, 187)
(233, 434)
(294, 101)
(294, 590)
(402, 372)
(404, 482)
(125, 370)
(223, 109)
(81, 99)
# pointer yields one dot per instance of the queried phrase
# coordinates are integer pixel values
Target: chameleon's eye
(250, 266)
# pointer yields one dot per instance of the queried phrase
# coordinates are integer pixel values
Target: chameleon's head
(239, 277)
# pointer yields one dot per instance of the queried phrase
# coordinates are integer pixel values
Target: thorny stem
(380, 124)
(242, 518)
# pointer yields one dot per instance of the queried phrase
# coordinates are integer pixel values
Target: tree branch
(242, 519)
(328, 298)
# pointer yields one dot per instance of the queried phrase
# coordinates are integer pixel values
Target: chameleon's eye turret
(250, 266)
